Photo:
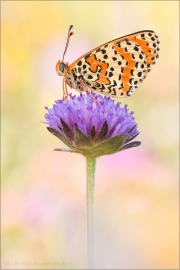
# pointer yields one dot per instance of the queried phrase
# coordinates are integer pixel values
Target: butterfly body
(116, 68)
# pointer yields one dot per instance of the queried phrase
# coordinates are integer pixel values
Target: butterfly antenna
(68, 38)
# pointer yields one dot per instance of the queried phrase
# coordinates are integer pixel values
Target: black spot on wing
(132, 72)
(87, 56)
(90, 77)
(130, 80)
(98, 50)
(102, 87)
(103, 51)
(79, 63)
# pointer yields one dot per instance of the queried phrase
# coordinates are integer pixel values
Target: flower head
(90, 128)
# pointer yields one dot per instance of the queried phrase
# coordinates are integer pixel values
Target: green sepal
(67, 130)
(83, 145)
(130, 145)
(103, 132)
(59, 136)
(93, 133)
(132, 138)
(109, 146)
(80, 140)
(65, 150)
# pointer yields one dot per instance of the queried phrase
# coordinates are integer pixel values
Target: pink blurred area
(44, 192)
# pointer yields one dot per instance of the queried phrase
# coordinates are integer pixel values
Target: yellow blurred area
(43, 192)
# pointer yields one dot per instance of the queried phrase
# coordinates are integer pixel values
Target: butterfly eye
(61, 67)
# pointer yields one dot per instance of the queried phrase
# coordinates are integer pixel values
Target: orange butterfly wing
(117, 68)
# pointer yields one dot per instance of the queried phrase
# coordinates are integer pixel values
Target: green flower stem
(90, 172)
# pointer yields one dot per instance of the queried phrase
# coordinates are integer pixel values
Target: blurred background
(43, 192)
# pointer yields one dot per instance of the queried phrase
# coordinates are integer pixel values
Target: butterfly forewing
(118, 67)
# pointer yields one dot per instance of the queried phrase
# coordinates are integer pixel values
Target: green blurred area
(43, 201)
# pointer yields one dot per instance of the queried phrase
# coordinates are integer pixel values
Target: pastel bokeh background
(43, 192)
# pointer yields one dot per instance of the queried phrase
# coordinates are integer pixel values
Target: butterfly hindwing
(118, 67)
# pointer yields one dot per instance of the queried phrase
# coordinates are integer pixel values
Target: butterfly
(116, 68)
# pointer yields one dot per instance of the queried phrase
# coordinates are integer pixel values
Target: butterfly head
(61, 67)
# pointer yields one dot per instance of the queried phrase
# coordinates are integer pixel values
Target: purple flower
(90, 128)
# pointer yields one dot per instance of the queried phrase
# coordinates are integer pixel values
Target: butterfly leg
(65, 91)
(83, 85)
